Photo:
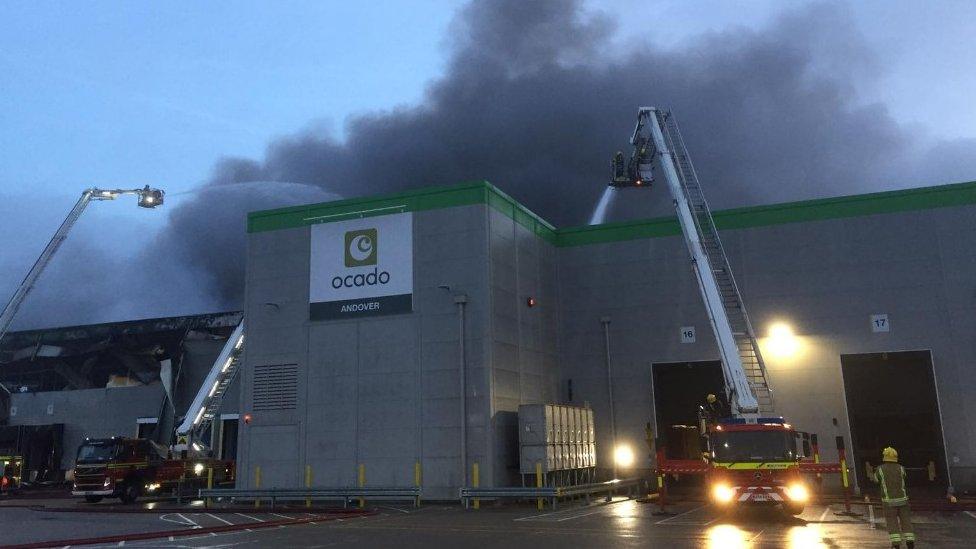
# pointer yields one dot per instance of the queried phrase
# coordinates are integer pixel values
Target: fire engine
(127, 468)
(753, 456)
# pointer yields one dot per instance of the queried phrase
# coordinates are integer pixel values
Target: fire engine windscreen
(95, 451)
(738, 446)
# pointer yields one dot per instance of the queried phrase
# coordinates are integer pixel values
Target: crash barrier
(345, 495)
(552, 494)
(667, 467)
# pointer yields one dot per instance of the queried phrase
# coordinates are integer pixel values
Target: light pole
(148, 198)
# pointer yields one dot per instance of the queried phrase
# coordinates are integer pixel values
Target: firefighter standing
(891, 476)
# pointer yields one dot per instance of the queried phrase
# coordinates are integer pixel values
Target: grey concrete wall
(524, 365)
(382, 391)
(824, 278)
(94, 413)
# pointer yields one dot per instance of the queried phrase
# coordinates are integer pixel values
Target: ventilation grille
(275, 387)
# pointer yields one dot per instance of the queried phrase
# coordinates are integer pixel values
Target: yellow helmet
(889, 454)
(711, 398)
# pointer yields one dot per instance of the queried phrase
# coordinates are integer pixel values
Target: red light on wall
(530, 301)
(247, 419)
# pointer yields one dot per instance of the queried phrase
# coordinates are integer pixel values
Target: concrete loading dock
(866, 274)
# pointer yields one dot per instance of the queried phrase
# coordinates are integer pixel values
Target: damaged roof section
(104, 355)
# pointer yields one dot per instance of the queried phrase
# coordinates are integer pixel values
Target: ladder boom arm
(741, 397)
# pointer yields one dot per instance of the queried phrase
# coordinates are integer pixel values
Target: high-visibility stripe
(895, 538)
(910, 537)
(881, 480)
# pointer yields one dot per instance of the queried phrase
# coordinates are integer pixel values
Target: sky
(123, 94)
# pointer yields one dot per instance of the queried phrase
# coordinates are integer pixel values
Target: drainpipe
(461, 300)
(613, 422)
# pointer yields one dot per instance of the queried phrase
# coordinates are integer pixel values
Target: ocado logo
(360, 251)
(360, 248)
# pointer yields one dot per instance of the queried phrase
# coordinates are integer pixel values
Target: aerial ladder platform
(210, 396)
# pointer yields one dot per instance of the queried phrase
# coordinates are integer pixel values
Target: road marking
(680, 515)
(188, 521)
(392, 509)
(560, 512)
(121, 543)
(218, 518)
(248, 517)
(282, 516)
(824, 514)
(971, 514)
(757, 535)
(871, 515)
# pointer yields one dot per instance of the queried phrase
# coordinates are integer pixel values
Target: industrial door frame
(655, 363)
(938, 402)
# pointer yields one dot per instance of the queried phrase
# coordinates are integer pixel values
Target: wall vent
(275, 387)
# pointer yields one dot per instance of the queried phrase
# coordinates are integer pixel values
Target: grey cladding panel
(275, 387)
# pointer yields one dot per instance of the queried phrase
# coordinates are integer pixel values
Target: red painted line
(174, 533)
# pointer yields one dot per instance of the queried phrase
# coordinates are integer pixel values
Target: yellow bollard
(931, 470)
(475, 480)
(843, 473)
(417, 479)
(209, 484)
(257, 484)
(308, 484)
(362, 483)
(538, 483)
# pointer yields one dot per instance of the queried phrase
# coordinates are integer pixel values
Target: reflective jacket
(891, 477)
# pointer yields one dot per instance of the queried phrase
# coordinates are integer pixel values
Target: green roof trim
(482, 192)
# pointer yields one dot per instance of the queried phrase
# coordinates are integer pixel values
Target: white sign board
(879, 323)
(361, 267)
(687, 334)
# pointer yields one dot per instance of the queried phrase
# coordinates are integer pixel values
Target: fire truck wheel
(93, 499)
(794, 510)
(130, 492)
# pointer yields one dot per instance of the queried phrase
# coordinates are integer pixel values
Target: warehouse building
(128, 379)
(366, 317)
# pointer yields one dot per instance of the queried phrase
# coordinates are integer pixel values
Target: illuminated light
(107, 483)
(722, 493)
(781, 341)
(199, 416)
(726, 536)
(718, 427)
(197, 447)
(227, 364)
(247, 419)
(153, 487)
(530, 302)
(623, 456)
(198, 468)
(798, 492)
(805, 537)
(239, 343)
(638, 182)
(214, 388)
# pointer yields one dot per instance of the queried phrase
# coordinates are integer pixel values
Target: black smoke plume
(537, 96)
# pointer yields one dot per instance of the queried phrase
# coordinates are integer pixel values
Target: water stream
(600, 212)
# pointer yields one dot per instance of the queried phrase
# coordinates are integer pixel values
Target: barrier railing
(361, 494)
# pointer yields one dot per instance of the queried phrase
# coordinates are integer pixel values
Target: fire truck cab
(756, 464)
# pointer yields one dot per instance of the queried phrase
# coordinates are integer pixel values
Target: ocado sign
(361, 267)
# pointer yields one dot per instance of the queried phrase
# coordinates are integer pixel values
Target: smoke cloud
(537, 96)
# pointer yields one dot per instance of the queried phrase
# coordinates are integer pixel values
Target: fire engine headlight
(107, 483)
(798, 492)
(198, 468)
(722, 493)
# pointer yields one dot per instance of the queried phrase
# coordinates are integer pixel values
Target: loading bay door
(892, 401)
(679, 388)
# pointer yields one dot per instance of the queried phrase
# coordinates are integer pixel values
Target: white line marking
(679, 515)
(282, 516)
(971, 514)
(188, 521)
(121, 543)
(871, 514)
(562, 511)
(393, 509)
(824, 515)
(248, 517)
(757, 535)
(220, 519)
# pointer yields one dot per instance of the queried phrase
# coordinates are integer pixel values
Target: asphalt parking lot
(623, 523)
